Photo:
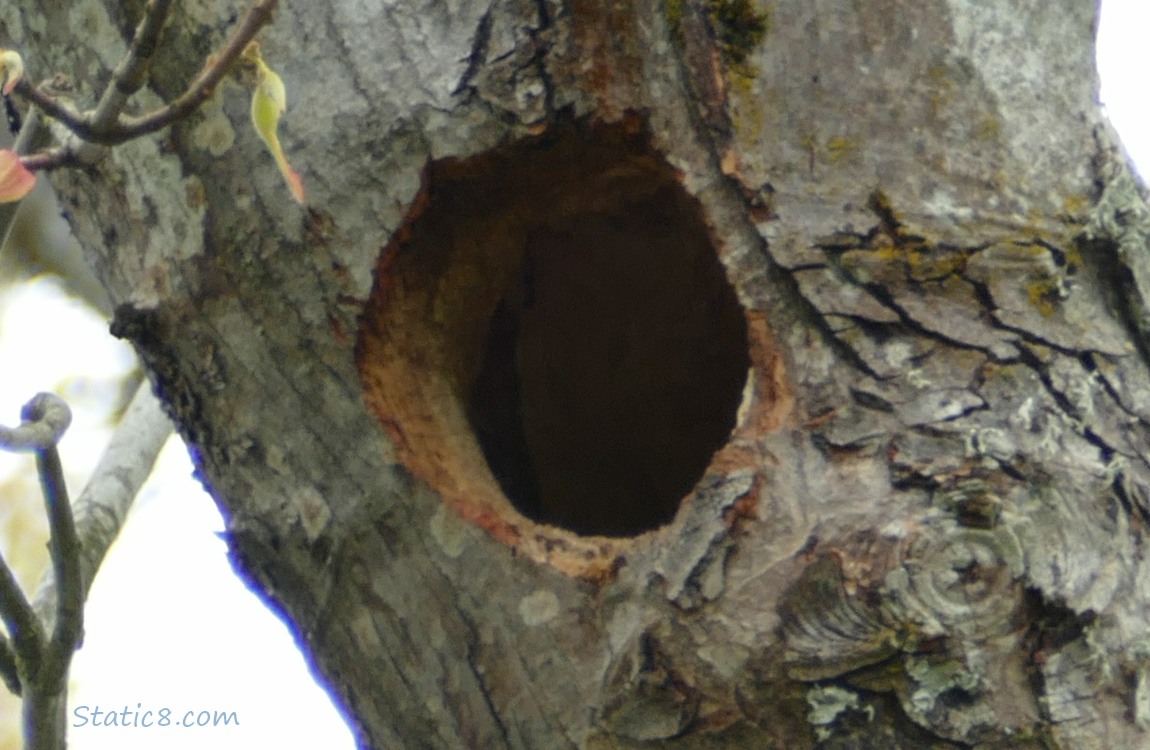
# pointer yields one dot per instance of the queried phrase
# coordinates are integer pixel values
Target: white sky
(197, 639)
(168, 625)
(1123, 61)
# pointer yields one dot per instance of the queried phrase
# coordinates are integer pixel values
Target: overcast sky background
(168, 624)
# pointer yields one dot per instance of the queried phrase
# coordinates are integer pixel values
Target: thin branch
(45, 719)
(132, 71)
(48, 159)
(23, 627)
(45, 417)
(64, 548)
(201, 89)
(99, 513)
(121, 128)
(9, 672)
(103, 505)
(54, 107)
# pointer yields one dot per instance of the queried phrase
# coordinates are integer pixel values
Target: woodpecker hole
(552, 330)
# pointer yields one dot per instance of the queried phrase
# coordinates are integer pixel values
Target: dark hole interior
(613, 363)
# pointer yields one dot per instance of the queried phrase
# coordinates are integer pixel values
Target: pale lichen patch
(214, 133)
(90, 22)
(448, 531)
(827, 703)
(539, 607)
(314, 513)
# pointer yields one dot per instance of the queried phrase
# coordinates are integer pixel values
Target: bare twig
(27, 637)
(45, 417)
(42, 671)
(53, 107)
(64, 549)
(130, 74)
(103, 505)
(9, 672)
(49, 158)
(45, 720)
(214, 71)
(36, 670)
(106, 125)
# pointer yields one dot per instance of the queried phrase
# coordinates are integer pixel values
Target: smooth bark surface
(926, 526)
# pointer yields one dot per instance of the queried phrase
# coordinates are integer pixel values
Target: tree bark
(677, 374)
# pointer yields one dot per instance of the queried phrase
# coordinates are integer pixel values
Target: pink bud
(15, 180)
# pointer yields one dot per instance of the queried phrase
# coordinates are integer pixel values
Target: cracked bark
(926, 527)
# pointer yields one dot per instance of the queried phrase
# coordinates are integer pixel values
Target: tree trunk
(695, 373)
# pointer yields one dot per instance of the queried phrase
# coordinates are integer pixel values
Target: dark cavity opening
(613, 364)
(567, 292)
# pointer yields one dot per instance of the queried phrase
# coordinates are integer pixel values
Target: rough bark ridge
(926, 526)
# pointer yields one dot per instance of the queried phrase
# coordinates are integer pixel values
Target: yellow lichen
(987, 128)
(1073, 259)
(1044, 294)
(938, 74)
(1076, 204)
(925, 262)
(748, 113)
(841, 149)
